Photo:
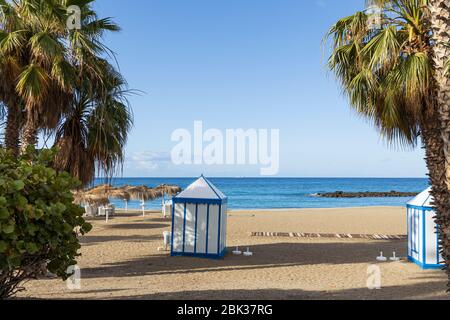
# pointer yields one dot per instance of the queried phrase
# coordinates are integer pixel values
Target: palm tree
(58, 80)
(47, 59)
(31, 46)
(10, 66)
(440, 26)
(388, 73)
(93, 132)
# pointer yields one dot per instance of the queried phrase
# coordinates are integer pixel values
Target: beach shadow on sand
(406, 292)
(95, 240)
(273, 255)
(138, 226)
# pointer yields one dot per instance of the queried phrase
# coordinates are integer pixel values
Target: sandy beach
(120, 260)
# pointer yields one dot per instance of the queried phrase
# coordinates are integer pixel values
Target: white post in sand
(163, 209)
(381, 258)
(143, 208)
(248, 253)
(394, 257)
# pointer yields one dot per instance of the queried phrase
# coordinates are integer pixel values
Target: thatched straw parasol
(90, 199)
(104, 191)
(101, 189)
(143, 193)
(169, 190)
(122, 194)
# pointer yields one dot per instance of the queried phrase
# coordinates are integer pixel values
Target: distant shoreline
(247, 210)
(367, 194)
(310, 209)
(291, 193)
(258, 177)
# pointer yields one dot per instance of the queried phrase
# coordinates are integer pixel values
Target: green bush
(39, 224)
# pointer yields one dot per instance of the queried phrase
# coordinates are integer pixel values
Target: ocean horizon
(286, 193)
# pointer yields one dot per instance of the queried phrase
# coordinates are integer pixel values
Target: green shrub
(39, 224)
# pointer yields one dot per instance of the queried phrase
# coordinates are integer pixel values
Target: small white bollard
(167, 238)
(248, 253)
(381, 258)
(167, 241)
(394, 257)
(237, 252)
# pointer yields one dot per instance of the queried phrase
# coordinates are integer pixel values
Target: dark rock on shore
(368, 194)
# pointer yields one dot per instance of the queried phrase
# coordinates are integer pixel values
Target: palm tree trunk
(435, 159)
(440, 25)
(12, 130)
(440, 169)
(29, 135)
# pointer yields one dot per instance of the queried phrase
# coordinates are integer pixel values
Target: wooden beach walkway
(329, 235)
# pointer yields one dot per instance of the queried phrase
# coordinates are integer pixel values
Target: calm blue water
(277, 193)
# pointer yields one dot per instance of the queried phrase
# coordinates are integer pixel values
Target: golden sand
(120, 260)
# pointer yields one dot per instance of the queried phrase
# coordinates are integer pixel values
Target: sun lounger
(167, 209)
(91, 211)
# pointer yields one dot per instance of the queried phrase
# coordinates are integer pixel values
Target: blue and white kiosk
(423, 238)
(199, 221)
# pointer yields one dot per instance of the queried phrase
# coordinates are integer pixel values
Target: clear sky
(244, 64)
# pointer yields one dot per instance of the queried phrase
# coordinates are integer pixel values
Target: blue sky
(244, 64)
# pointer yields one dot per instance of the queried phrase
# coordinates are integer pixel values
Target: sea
(286, 193)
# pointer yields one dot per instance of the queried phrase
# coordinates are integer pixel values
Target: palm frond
(385, 71)
(33, 84)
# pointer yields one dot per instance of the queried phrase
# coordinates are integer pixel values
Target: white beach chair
(91, 211)
(101, 211)
(167, 209)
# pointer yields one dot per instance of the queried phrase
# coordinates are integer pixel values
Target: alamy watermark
(74, 18)
(230, 147)
(74, 281)
(375, 14)
(373, 277)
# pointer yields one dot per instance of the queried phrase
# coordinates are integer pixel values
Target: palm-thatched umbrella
(91, 199)
(122, 194)
(109, 191)
(100, 189)
(169, 190)
(143, 193)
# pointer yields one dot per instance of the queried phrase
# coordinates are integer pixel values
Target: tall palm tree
(56, 79)
(10, 67)
(439, 11)
(47, 58)
(390, 74)
(93, 132)
(31, 45)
